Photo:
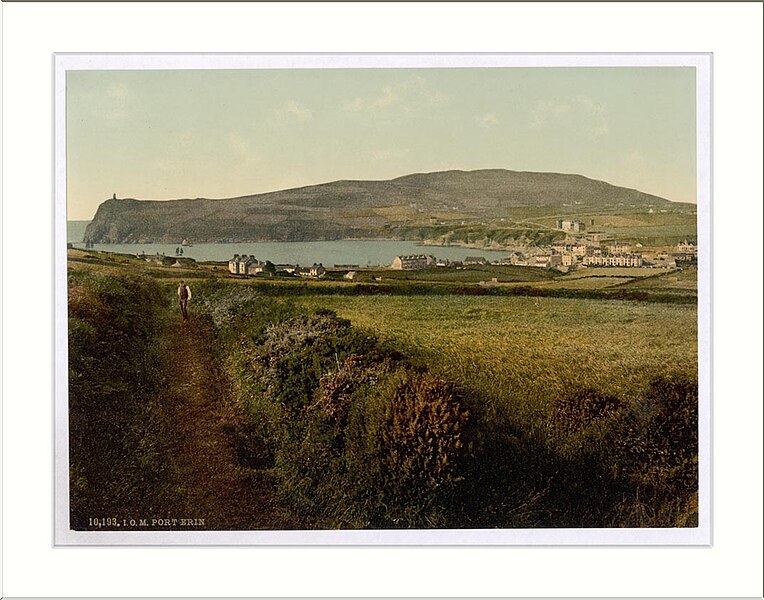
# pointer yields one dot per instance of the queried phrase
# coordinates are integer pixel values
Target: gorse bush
(336, 388)
(297, 353)
(658, 441)
(418, 446)
(386, 449)
(423, 437)
(582, 408)
(645, 451)
(295, 335)
(290, 376)
(222, 304)
(358, 435)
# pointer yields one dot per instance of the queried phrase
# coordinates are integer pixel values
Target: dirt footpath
(201, 416)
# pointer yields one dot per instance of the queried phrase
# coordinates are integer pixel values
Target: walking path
(202, 417)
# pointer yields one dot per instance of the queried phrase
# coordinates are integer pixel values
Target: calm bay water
(348, 252)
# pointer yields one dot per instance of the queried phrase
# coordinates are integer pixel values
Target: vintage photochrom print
(382, 299)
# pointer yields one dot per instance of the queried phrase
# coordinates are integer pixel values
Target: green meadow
(549, 402)
(521, 353)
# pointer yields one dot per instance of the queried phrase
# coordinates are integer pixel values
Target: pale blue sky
(216, 134)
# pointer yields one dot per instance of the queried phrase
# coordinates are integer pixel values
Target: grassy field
(547, 411)
(520, 354)
(587, 283)
(651, 228)
(682, 283)
(470, 274)
(676, 281)
(632, 220)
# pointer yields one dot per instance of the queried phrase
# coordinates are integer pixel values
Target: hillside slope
(357, 209)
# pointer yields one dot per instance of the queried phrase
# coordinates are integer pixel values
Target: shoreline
(420, 243)
(502, 249)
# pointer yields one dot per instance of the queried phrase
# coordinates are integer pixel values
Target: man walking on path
(184, 295)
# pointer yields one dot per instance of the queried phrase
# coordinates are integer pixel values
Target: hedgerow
(357, 434)
(116, 456)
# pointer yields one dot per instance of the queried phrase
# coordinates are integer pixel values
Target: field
(470, 274)
(538, 227)
(675, 283)
(430, 399)
(523, 353)
(655, 229)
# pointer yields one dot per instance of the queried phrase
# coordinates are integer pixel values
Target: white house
(619, 248)
(317, 270)
(245, 265)
(571, 226)
(613, 260)
(568, 260)
(546, 260)
(413, 262)
(687, 247)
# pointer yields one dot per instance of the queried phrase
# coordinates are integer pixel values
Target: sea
(361, 253)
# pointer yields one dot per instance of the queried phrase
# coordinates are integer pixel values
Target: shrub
(336, 388)
(658, 442)
(292, 336)
(224, 303)
(635, 464)
(423, 435)
(293, 355)
(358, 437)
(583, 408)
(408, 445)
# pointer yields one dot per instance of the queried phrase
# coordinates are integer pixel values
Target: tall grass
(400, 411)
(116, 453)
(556, 384)
(469, 412)
(522, 354)
(353, 433)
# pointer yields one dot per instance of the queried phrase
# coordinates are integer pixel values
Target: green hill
(362, 209)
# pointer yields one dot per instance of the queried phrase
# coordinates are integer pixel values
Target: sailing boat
(185, 243)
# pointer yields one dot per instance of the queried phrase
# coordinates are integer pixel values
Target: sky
(159, 135)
